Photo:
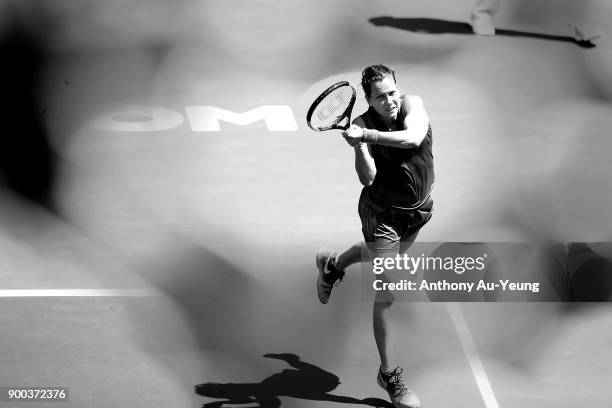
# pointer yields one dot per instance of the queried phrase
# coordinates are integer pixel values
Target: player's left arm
(415, 124)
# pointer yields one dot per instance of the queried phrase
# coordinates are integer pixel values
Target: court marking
(6, 293)
(469, 349)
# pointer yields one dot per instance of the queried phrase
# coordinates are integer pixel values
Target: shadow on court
(304, 381)
(437, 26)
(211, 293)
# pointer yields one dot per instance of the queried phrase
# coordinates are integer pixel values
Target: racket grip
(370, 136)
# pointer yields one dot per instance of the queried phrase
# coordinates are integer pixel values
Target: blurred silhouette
(590, 274)
(27, 163)
(305, 381)
(437, 26)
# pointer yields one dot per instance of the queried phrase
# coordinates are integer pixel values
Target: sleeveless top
(404, 177)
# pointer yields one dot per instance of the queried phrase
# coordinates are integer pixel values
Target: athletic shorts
(385, 229)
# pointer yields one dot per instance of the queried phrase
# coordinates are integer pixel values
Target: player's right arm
(364, 162)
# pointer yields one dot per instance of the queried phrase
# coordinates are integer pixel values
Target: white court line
(77, 293)
(469, 348)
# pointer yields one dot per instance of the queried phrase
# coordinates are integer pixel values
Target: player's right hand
(353, 135)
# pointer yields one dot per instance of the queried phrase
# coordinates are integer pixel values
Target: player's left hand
(353, 135)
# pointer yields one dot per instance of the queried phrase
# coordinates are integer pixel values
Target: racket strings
(333, 107)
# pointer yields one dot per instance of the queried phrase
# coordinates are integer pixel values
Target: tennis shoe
(401, 396)
(329, 276)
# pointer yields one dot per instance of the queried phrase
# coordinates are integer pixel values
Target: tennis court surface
(176, 268)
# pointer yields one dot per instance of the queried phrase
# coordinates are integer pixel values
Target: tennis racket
(332, 107)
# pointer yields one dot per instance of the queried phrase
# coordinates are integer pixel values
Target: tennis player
(392, 142)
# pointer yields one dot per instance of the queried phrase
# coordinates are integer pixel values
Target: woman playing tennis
(392, 143)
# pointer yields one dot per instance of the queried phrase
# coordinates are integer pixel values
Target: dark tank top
(404, 177)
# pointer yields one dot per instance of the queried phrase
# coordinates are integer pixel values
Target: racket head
(332, 107)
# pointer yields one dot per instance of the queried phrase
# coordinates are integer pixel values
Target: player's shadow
(304, 381)
(437, 26)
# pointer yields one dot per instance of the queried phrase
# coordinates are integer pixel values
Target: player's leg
(486, 6)
(356, 253)
(390, 375)
(381, 314)
(382, 320)
(481, 17)
(383, 233)
(332, 265)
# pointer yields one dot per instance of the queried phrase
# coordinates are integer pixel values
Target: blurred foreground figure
(27, 165)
